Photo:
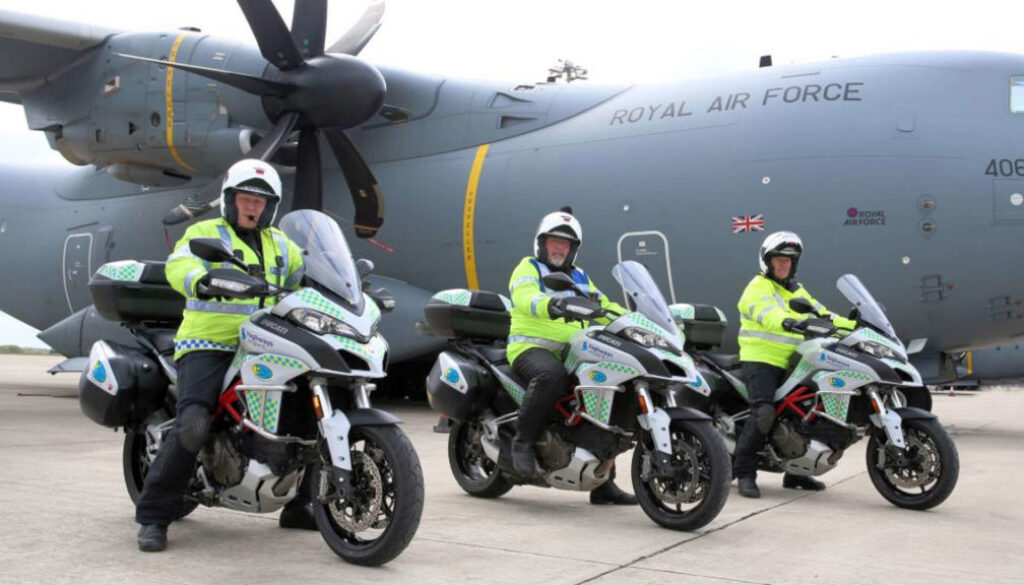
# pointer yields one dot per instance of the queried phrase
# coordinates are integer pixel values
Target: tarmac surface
(65, 517)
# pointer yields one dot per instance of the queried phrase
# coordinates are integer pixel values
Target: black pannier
(703, 325)
(120, 386)
(457, 387)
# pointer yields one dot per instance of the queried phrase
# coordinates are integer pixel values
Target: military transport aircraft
(905, 169)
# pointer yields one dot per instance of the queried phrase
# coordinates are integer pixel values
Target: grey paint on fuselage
(681, 159)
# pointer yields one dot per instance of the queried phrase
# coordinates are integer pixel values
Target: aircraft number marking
(1005, 167)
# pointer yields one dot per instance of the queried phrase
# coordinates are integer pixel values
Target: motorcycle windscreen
(645, 296)
(870, 311)
(328, 258)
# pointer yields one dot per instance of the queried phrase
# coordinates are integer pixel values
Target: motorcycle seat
(494, 353)
(163, 340)
(726, 361)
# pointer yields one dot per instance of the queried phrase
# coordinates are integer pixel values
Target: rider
(208, 337)
(766, 346)
(538, 337)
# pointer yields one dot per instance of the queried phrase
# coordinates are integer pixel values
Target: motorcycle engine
(223, 462)
(554, 450)
(787, 440)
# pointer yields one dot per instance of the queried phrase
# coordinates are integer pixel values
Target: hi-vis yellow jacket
(763, 307)
(531, 325)
(210, 324)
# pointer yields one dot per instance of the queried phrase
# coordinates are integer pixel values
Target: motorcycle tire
(375, 525)
(931, 475)
(136, 466)
(477, 475)
(695, 445)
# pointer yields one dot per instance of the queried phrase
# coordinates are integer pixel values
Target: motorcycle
(841, 386)
(295, 400)
(625, 381)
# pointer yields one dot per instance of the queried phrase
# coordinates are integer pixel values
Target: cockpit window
(1017, 94)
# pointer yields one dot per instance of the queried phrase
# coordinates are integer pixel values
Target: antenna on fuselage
(766, 61)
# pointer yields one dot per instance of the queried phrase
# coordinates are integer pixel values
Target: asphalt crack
(754, 514)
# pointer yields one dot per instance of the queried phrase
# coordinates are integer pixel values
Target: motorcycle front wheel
(928, 472)
(698, 485)
(375, 523)
(475, 473)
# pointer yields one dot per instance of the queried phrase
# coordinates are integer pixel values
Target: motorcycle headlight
(322, 324)
(647, 339)
(878, 350)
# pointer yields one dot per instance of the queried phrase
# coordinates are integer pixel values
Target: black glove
(556, 308)
(788, 324)
(203, 287)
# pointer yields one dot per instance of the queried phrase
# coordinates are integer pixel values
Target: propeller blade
(309, 27)
(269, 144)
(353, 41)
(366, 196)
(276, 44)
(308, 183)
(248, 83)
(196, 204)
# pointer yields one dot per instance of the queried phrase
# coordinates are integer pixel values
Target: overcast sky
(517, 40)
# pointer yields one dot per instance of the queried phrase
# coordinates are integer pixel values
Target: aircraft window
(1017, 94)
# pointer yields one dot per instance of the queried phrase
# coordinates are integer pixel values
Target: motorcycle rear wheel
(475, 473)
(135, 464)
(703, 484)
(930, 475)
(376, 524)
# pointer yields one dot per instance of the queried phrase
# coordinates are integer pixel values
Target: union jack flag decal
(748, 223)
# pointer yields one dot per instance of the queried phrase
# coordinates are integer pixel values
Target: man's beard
(556, 261)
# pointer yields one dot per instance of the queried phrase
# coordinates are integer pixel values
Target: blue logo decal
(99, 373)
(598, 376)
(836, 382)
(697, 383)
(451, 375)
(584, 346)
(821, 358)
(262, 372)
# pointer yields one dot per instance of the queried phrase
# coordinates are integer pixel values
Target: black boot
(609, 493)
(298, 513)
(748, 487)
(152, 538)
(801, 482)
(523, 460)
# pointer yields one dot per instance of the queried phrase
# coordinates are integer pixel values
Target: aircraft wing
(36, 47)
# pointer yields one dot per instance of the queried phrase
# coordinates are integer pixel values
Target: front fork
(888, 420)
(334, 427)
(657, 422)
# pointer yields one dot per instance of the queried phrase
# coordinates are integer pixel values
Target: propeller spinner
(314, 92)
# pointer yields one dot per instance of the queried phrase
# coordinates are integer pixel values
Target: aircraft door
(651, 250)
(77, 267)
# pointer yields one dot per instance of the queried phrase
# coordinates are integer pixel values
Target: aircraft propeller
(311, 90)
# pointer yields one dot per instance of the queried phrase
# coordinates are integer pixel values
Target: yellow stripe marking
(169, 90)
(970, 363)
(468, 214)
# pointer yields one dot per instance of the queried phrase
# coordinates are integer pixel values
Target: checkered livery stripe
(876, 337)
(190, 344)
(319, 302)
(801, 369)
(836, 405)
(280, 360)
(254, 400)
(514, 391)
(367, 351)
(271, 413)
(597, 404)
(845, 374)
(455, 296)
(239, 359)
(264, 409)
(615, 367)
(126, 270)
(641, 321)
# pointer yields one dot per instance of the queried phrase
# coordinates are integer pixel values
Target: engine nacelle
(146, 123)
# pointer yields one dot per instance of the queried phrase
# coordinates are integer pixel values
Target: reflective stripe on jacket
(211, 324)
(763, 307)
(531, 325)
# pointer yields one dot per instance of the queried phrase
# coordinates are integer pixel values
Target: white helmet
(780, 244)
(560, 224)
(252, 176)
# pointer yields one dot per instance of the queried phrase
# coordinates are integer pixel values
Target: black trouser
(200, 380)
(762, 381)
(548, 383)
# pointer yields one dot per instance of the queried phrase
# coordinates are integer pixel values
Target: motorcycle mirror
(801, 305)
(384, 299)
(558, 281)
(364, 266)
(213, 250)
